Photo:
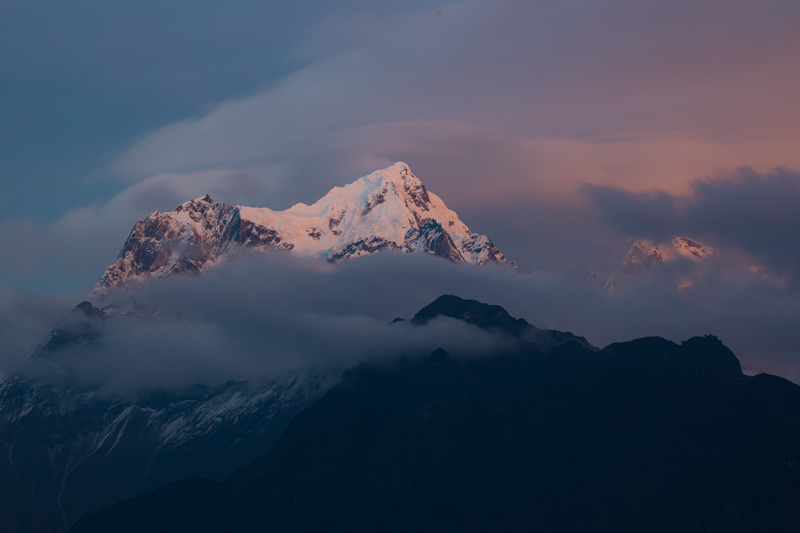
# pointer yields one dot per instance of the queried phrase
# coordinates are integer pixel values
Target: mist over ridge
(268, 313)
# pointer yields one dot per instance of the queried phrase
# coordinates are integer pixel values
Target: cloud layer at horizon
(270, 313)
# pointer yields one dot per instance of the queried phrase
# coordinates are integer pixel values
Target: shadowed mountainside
(67, 450)
(646, 435)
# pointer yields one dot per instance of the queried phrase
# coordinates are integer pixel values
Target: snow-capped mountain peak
(645, 253)
(389, 209)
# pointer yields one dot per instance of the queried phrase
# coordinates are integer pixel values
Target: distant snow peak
(644, 253)
(389, 209)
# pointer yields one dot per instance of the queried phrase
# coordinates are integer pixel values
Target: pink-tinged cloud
(630, 93)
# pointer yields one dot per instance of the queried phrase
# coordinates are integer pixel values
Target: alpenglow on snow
(645, 253)
(389, 209)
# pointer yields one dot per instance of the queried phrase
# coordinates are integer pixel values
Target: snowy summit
(645, 253)
(389, 209)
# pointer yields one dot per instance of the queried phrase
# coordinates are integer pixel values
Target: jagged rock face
(644, 253)
(186, 240)
(388, 210)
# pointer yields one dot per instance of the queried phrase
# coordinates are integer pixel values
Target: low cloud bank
(270, 313)
(179, 352)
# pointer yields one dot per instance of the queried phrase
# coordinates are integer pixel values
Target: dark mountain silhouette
(472, 312)
(68, 450)
(646, 435)
(494, 317)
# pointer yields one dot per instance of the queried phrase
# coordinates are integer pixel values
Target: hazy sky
(561, 129)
